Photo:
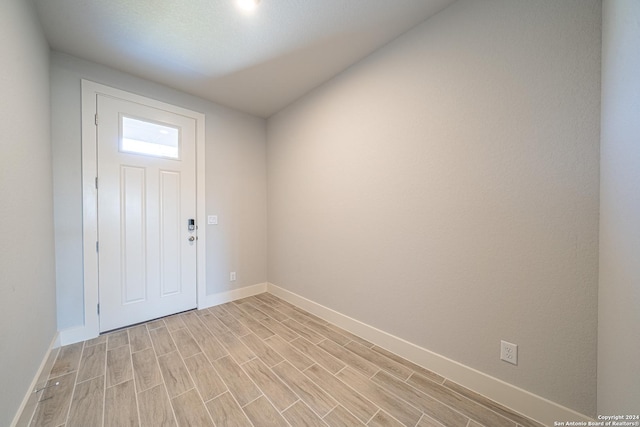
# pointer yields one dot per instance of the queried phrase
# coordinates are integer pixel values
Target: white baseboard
(29, 402)
(76, 334)
(232, 295)
(83, 333)
(515, 398)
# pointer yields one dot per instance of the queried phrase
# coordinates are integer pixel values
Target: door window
(149, 138)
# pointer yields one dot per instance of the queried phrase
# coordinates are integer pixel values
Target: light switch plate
(212, 220)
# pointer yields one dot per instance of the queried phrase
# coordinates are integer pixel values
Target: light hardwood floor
(260, 362)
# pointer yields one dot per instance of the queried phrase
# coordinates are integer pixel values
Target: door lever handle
(192, 238)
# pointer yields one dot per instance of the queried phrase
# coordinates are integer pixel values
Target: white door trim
(90, 90)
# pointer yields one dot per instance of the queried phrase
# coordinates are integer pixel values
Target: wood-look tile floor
(260, 362)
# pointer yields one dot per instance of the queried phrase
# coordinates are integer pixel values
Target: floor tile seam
(214, 337)
(281, 312)
(195, 387)
(148, 388)
(466, 399)
(377, 372)
(119, 331)
(163, 383)
(413, 371)
(47, 378)
(281, 322)
(133, 378)
(227, 385)
(241, 408)
(73, 392)
(315, 362)
(287, 408)
(261, 390)
(87, 345)
(252, 400)
(389, 415)
(271, 403)
(192, 337)
(142, 349)
(184, 359)
(119, 383)
(346, 385)
(184, 392)
(380, 367)
(211, 331)
(320, 387)
(149, 328)
(247, 325)
(372, 416)
(284, 359)
(252, 314)
(166, 393)
(50, 378)
(426, 394)
(216, 396)
(266, 328)
(177, 329)
(92, 378)
(350, 364)
(188, 373)
(230, 329)
(211, 361)
(116, 348)
(504, 408)
(304, 326)
(313, 382)
(368, 399)
(342, 369)
(104, 385)
(428, 418)
(386, 390)
(237, 361)
(106, 370)
(315, 412)
(335, 332)
(261, 305)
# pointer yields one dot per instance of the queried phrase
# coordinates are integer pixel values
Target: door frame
(90, 91)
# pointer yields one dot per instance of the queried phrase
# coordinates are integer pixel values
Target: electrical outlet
(232, 276)
(509, 352)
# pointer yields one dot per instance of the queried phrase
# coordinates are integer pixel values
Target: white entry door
(146, 212)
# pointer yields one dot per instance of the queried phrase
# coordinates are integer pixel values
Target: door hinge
(96, 182)
(97, 247)
(98, 308)
(96, 119)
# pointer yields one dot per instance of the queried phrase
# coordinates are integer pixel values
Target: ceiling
(257, 62)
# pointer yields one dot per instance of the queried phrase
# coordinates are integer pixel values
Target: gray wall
(445, 190)
(235, 183)
(619, 294)
(27, 286)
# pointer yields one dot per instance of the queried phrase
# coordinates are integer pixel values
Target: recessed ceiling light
(247, 5)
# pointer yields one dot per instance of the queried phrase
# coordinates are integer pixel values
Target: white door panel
(147, 259)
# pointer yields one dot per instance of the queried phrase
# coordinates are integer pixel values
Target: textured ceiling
(256, 62)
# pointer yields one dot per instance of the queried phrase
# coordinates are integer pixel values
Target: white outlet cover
(232, 276)
(509, 352)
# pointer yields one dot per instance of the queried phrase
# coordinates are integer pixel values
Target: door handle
(192, 238)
